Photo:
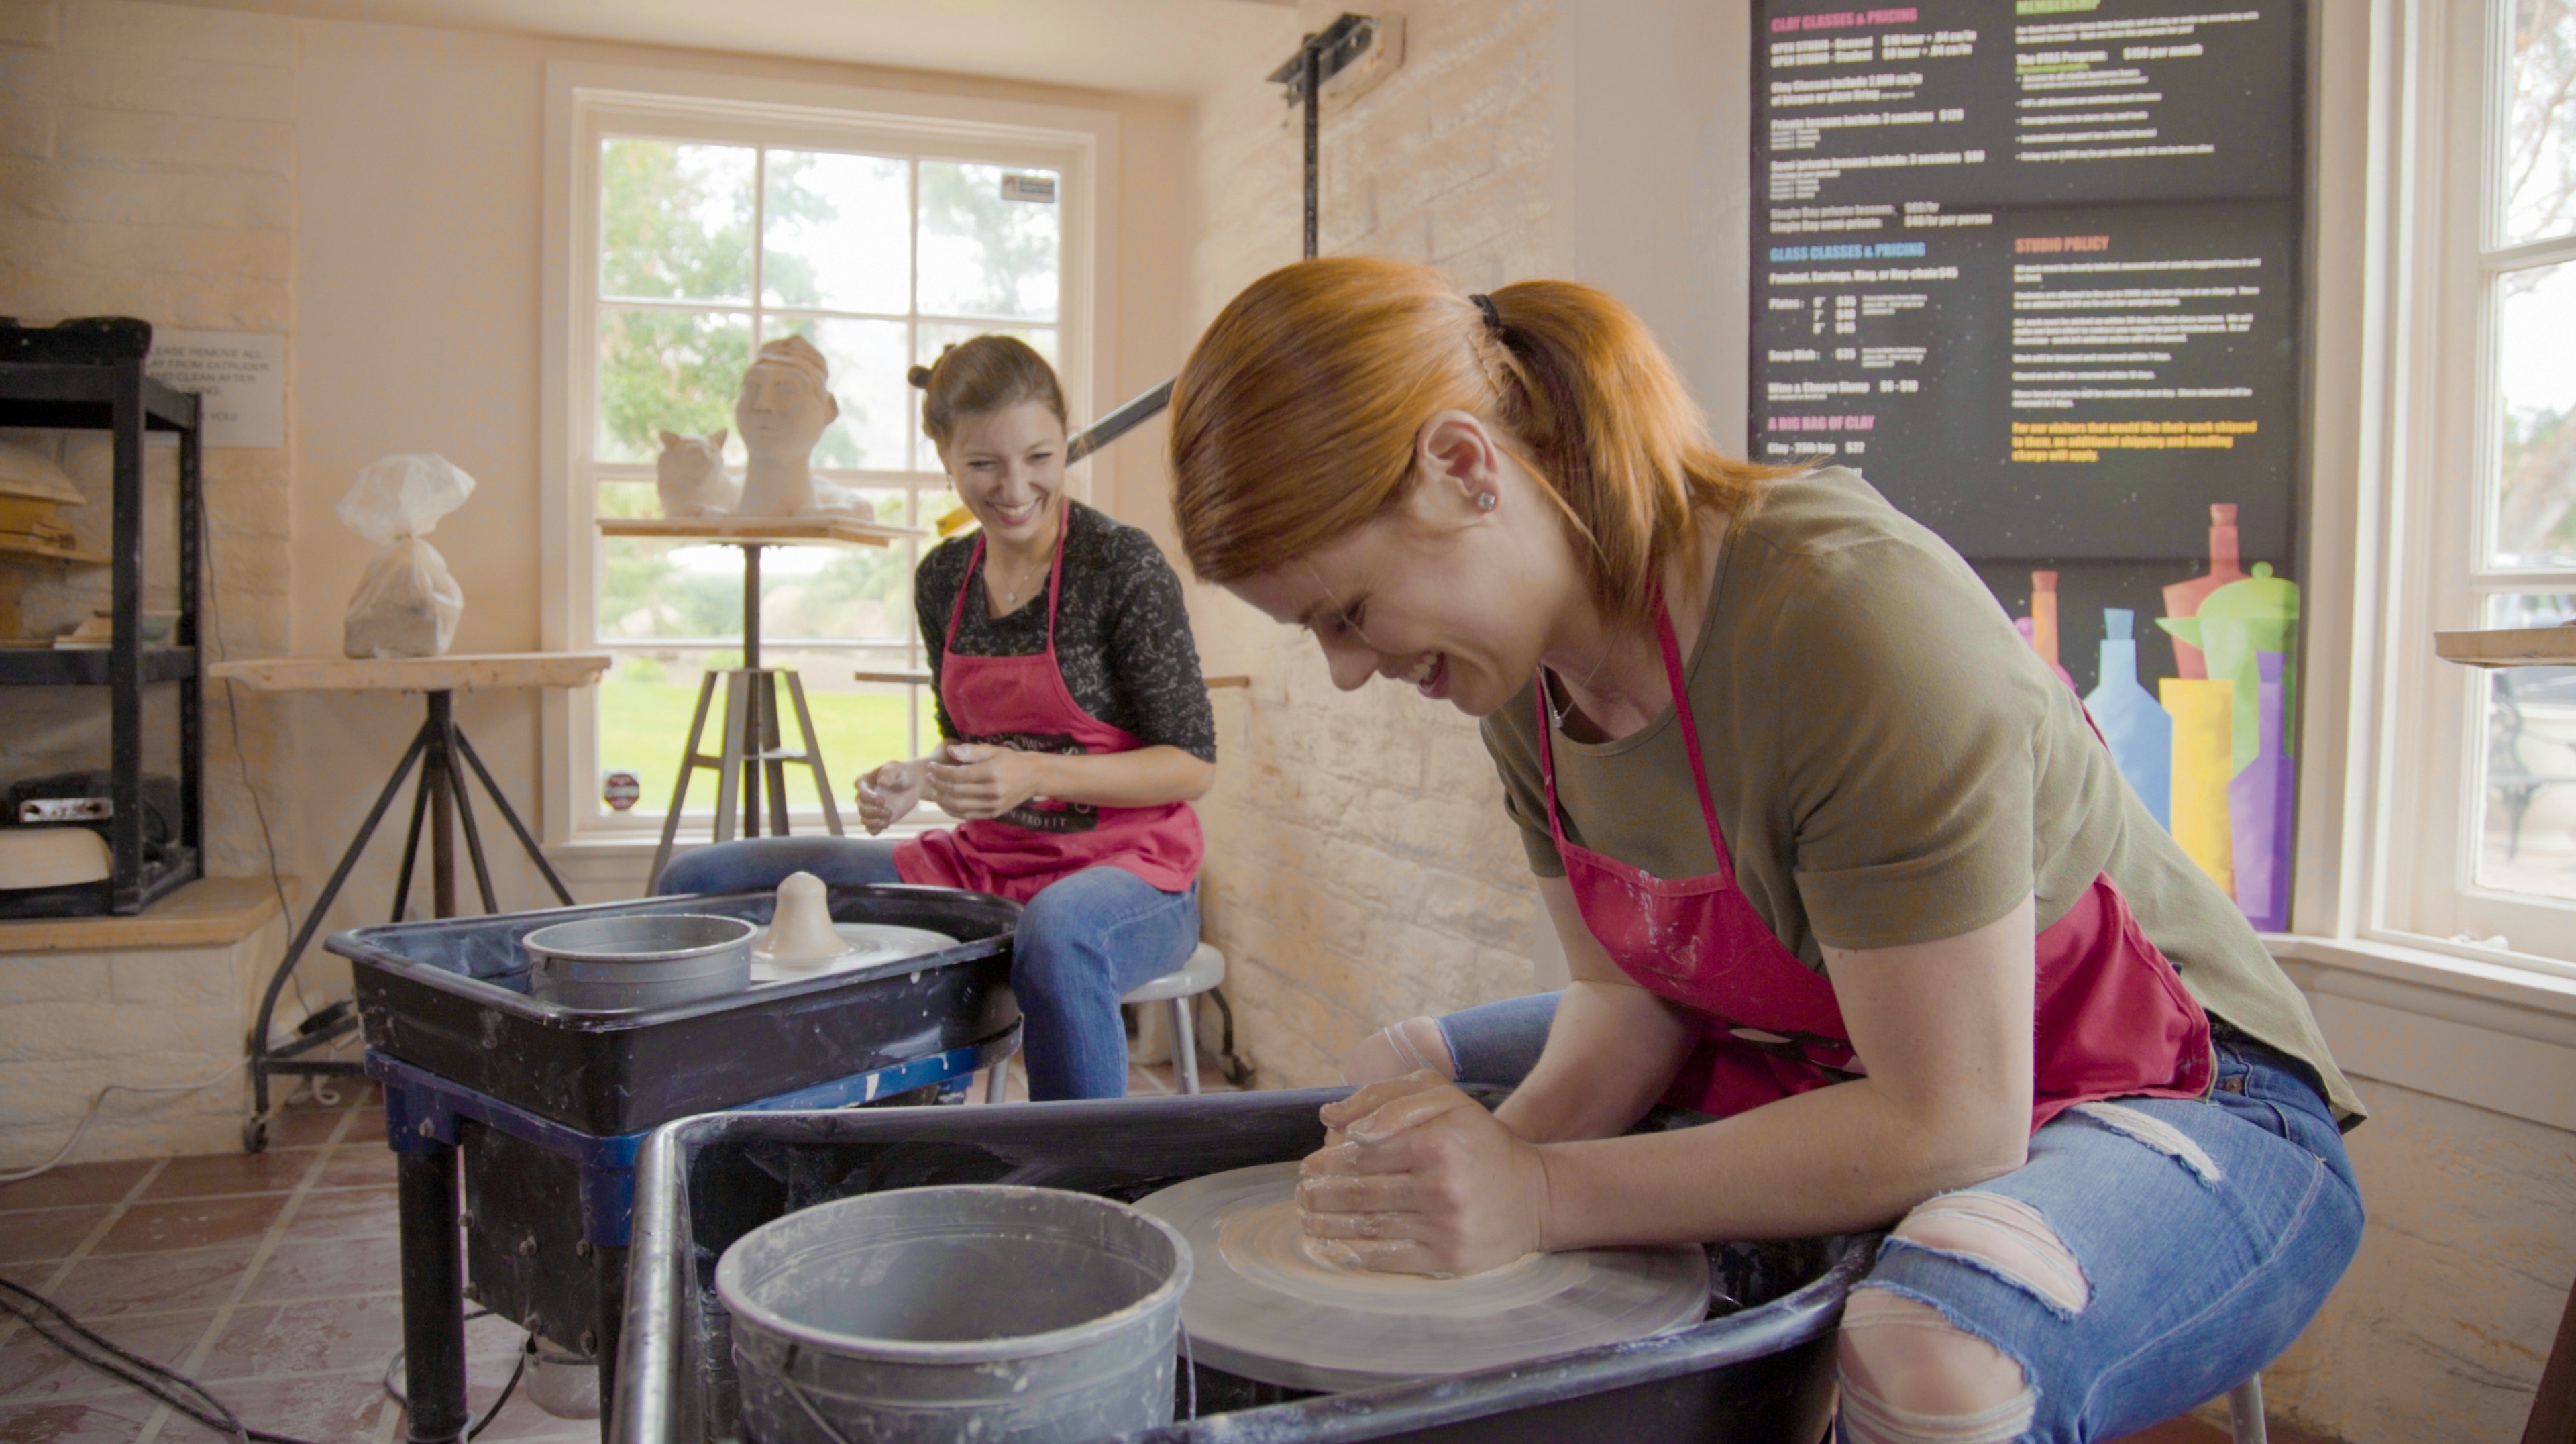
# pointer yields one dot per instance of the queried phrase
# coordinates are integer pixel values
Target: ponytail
(1293, 422)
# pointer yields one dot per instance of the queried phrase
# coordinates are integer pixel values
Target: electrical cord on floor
(394, 1365)
(100, 1100)
(47, 1321)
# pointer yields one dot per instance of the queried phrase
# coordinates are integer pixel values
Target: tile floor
(273, 1279)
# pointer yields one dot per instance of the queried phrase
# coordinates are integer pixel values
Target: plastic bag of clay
(407, 603)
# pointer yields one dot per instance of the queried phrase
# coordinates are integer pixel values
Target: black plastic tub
(451, 997)
(1760, 1368)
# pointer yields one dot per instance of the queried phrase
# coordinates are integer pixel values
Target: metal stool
(1204, 970)
(2245, 1412)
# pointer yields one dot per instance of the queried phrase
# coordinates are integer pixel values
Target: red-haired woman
(1832, 857)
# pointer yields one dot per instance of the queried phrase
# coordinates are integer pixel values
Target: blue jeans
(1081, 943)
(2208, 1232)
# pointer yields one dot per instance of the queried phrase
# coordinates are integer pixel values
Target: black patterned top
(1122, 640)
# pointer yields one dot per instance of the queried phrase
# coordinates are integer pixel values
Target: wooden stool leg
(814, 754)
(729, 767)
(773, 766)
(1185, 1043)
(690, 760)
(2245, 1412)
(2553, 1406)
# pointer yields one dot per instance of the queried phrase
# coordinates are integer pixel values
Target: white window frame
(2421, 890)
(585, 103)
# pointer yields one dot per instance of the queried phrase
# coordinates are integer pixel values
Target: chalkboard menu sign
(2033, 267)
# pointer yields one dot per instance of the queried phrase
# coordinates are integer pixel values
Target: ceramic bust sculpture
(781, 411)
(691, 478)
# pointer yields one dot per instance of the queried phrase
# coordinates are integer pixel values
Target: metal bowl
(644, 960)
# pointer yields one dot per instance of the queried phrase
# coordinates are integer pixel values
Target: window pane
(667, 370)
(674, 221)
(2540, 123)
(648, 697)
(677, 590)
(2528, 838)
(867, 365)
(938, 336)
(845, 594)
(858, 724)
(984, 252)
(839, 232)
(645, 703)
(2535, 395)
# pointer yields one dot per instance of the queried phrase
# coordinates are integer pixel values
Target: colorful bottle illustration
(2236, 624)
(2258, 804)
(2040, 627)
(2203, 721)
(2133, 722)
(2043, 615)
(2183, 599)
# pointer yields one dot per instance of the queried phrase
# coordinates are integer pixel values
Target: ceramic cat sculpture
(782, 410)
(691, 477)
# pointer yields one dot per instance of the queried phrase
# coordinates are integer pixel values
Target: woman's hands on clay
(970, 780)
(1416, 1177)
(889, 794)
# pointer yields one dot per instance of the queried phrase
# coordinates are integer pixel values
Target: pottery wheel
(1264, 1303)
(871, 945)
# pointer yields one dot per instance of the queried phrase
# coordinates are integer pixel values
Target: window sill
(2486, 1033)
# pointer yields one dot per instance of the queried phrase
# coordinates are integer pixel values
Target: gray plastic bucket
(644, 960)
(983, 1312)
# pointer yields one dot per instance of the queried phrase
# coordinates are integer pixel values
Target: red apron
(2112, 1017)
(1022, 702)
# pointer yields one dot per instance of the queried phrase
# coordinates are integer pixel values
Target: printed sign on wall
(2033, 268)
(240, 375)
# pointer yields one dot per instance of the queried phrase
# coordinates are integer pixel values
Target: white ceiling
(1160, 47)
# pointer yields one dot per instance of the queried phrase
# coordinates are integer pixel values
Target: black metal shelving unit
(116, 397)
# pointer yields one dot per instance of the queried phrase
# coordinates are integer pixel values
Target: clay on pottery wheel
(800, 930)
(1265, 1303)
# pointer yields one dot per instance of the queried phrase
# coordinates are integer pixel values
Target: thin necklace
(1559, 713)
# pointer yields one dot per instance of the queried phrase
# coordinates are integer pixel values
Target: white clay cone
(800, 930)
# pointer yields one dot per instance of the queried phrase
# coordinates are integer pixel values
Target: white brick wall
(1360, 866)
(146, 169)
(72, 1023)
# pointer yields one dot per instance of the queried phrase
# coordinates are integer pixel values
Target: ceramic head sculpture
(784, 407)
(691, 477)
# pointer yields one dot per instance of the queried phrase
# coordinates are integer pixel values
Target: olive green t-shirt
(1891, 763)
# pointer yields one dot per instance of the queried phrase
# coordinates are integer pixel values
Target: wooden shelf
(88, 666)
(922, 679)
(2509, 647)
(210, 912)
(13, 546)
(765, 530)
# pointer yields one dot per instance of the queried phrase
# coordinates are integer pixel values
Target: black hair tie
(1493, 313)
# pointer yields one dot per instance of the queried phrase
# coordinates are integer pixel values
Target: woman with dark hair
(1076, 730)
(1833, 857)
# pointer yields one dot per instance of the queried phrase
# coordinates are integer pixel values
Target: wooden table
(440, 801)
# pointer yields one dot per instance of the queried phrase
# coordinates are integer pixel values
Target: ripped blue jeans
(2203, 1236)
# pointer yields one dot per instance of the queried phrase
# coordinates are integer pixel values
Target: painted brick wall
(146, 169)
(1361, 867)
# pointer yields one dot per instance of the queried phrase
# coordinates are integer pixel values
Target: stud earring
(1485, 501)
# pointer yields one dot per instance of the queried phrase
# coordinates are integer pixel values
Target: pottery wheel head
(1266, 1303)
